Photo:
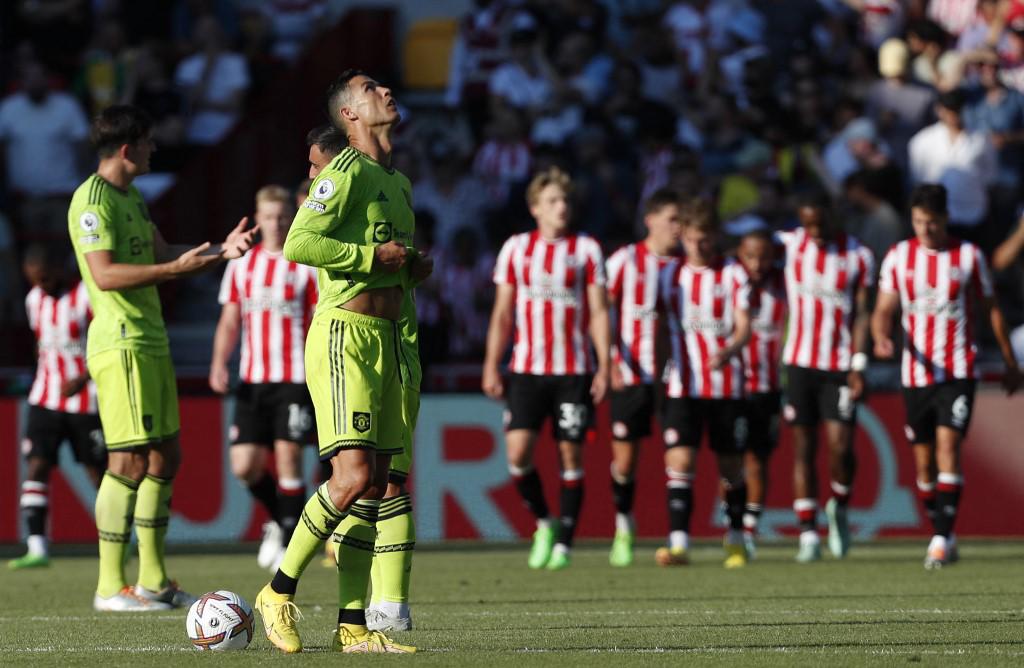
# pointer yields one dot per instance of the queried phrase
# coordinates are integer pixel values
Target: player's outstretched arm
(498, 334)
(600, 335)
(881, 323)
(110, 275)
(224, 341)
(1012, 377)
(1008, 251)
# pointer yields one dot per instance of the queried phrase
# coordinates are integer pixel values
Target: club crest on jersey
(89, 221)
(382, 232)
(324, 189)
(361, 422)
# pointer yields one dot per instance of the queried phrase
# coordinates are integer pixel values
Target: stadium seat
(425, 54)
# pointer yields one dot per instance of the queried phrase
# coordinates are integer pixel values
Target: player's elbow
(293, 249)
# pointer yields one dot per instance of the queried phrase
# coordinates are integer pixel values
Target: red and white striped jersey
(633, 273)
(60, 325)
(501, 164)
(763, 354)
(822, 284)
(936, 290)
(700, 304)
(551, 278)
(277, 298)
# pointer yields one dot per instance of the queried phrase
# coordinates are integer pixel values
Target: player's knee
(131, 465)
(349, 484)
(246, 470)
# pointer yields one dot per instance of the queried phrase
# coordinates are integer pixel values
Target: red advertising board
(461, 486)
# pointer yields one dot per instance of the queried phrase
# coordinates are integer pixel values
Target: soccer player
(391, 572)
(633, 272)
(123, 257)
(269, 301)
(828, 274)
(62, 401)
(551, 292)
(761, 357)
(704, 299)
(936, 281)
(354, 228)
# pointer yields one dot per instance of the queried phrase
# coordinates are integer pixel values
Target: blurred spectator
(856, 147)
(454, 198)
(476, 53)
(148, 86)
(999, 112)
(292, 25)
(213, 81)
(583, 69)
(59, 29)
(962, 160)
(524, 81)
(604, 192)
(10, 279)
(504, 158)
(874, 221)
(187, 22)
(880, 20)
(898, 107)
(978, 34)
(467, 293)
(926, 40)
(101, 78)
(43, 133)
(1011, 59)
(954, 16)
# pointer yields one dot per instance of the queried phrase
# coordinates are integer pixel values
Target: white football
(220, 620)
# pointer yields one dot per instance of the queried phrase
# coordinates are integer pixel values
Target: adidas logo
(381, 197)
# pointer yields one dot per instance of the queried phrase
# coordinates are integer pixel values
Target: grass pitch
(484, 607)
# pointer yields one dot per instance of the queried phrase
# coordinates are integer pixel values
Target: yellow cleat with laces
(279, 614)
(352, 639)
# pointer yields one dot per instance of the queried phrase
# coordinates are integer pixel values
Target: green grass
(485, 608)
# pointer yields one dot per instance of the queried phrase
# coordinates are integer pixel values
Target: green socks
(392, 555)
(115, 506)
(152, 513)
(355, 554)
(319, 520)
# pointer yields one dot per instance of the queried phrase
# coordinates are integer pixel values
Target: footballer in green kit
(122, 257)
(356, 227)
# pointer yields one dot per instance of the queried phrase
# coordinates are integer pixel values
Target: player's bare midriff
(377, 302)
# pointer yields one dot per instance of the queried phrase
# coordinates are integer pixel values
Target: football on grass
(220, 620)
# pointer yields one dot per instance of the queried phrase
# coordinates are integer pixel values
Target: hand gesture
(195, 259)
(73, 386)
(239, 240)
(618, 382)
(855, 381)
(219, 379)
(422, 267)
(884, 348)
(599, 386)
(390, 257)
(492, 384)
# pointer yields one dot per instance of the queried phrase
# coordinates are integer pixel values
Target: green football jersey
(354, 205)
(103, 217)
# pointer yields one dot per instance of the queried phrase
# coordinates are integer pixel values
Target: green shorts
(354, 379)
(138, 397)
(401, 463)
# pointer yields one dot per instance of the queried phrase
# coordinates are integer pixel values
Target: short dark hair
(329, 139)
(661, 198)
(931, 197)
(953, 100)
(54, 254)
(698, 214)
(814, 199)
(119, 125)
(338, 91)
(761, 234)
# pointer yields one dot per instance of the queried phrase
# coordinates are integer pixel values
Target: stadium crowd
(747, 102)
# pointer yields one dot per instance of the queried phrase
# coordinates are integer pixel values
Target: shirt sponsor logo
(313, 205)
(826, 294)
(89, 221)
(324, 189)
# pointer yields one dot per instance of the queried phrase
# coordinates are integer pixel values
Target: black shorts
(761, 412)
(47, 429)
(949, 404)
(267, 412)
(684, 421)
(813, 395)
(632, 411)
(565, 399)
